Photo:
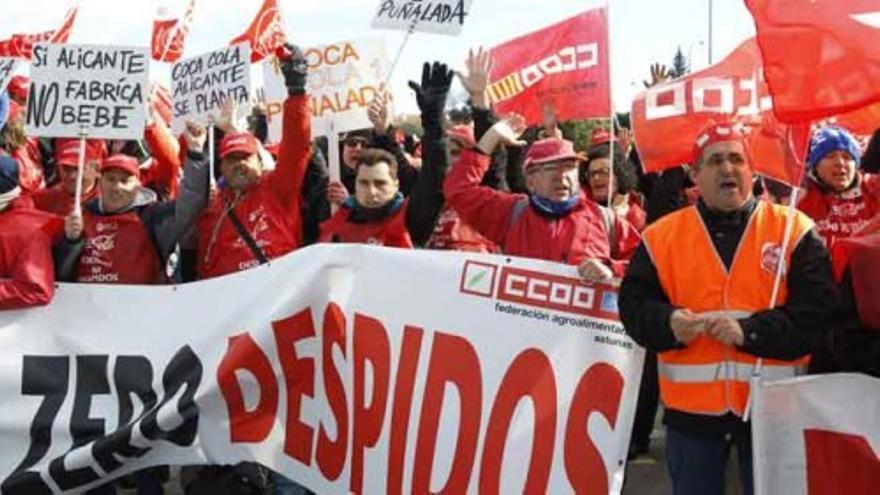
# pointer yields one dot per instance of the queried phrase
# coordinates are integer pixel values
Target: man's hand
(685, 325)
(195, 136)
(295, 69)
(476, 80)
(377, 112)
(624, 140)
(725, 330)
(594, 271)
(505, 132)
(227, 120)
(431, 93)
(73, 227)
(659, 75)
(336, 193)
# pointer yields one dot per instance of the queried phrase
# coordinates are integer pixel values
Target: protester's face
(118, 189)
(600, 179)
(351, 150)
(68, 177)
(837, 169)
(375, 186)
(724, 176)
(554, 180)
(241, 169)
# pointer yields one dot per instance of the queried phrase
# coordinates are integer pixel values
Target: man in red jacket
(26, 269)
(59, 198)
(840, 198)
(257, 216)
(555, 221)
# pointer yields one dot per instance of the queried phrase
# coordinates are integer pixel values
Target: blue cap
(829, 139)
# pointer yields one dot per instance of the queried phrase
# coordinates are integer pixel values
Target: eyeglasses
(353, 142)
(602, 173)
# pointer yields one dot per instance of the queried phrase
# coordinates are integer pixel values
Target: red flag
(840, 463)
(667, 118)
(563, 66)
(169, 34)
(266, 32)
(22, 45)
(820, 58)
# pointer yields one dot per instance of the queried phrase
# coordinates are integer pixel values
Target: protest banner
(200, 85)
(563, 67)
(430, 16)
(496, 375)
(100, 90)
(343, 79)
(8, 65)
(817, 435)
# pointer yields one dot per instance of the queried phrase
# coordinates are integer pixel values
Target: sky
(642, 31)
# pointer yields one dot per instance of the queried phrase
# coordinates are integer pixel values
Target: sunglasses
(352, 142)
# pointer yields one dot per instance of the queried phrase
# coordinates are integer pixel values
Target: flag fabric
(564, 67)
(169, 34)
(818, 435)
(820, 57)
(22, 45)
(265, 33)
(668, 118)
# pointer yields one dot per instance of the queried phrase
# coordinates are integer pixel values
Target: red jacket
(26, 267)
(573, 238)
(163, 173)
(58, 201)
(390, 231)
(270, 210)
(30, 166)
(451, 233)
(840, 215)
(117, 250)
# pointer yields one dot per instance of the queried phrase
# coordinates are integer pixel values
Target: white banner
(98, 90)
(347, 368)
(343, 80)
(817, 435)
(200, 85)
(7, 70)
(429, 16)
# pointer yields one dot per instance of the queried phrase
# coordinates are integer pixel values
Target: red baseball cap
(600, 136)
(550, 150)
(463, 134)
(18, 87)
(239, 142)
(67, 151)
(717, 133)
(122, 162)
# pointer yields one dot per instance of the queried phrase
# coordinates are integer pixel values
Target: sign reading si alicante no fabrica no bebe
(99, 90)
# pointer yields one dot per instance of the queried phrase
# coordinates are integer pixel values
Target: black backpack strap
(246, 237)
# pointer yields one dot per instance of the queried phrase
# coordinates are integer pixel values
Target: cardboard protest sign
(343, 79)
(7, 70)
(100, 90)
(200, 85)
(429, 16)
(525, 383)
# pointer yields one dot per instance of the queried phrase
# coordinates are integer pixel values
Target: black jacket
(789, 331)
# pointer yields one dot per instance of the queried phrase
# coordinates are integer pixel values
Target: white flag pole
(80, 168)
(611, 190)
(333, 157)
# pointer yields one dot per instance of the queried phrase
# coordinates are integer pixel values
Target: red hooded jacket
(840, 215)
(390, 231)
(270, 210)
(571, 239)
(26, 265)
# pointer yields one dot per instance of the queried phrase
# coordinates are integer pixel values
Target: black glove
(295, 70)
(431, 94)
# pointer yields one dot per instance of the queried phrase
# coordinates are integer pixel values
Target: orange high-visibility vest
(707, 377)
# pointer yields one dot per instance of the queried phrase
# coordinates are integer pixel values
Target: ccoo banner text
(346, 368)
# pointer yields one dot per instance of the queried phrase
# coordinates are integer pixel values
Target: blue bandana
(553, 208)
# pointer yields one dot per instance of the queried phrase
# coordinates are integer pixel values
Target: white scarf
(8, 197)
